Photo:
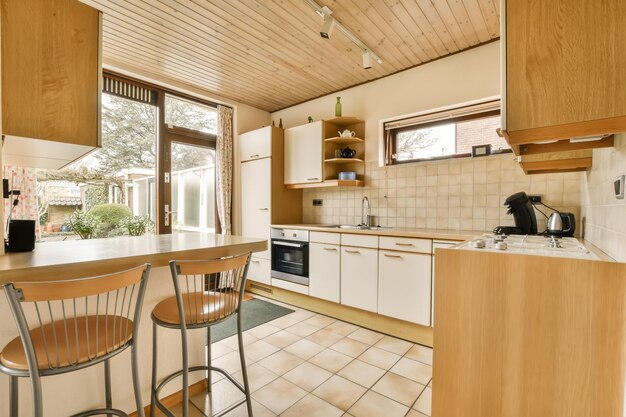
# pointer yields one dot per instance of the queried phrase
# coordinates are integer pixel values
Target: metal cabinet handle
(313, 179)
(254, 156)
(404, 244)
(263, 208)
(331, 249)
(353, 251)
(255, 261)
(392, 256)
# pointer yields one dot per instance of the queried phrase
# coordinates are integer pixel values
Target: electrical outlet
(317, 202)
(535, 198)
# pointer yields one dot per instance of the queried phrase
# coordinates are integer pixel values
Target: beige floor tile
(229, 362)
(379, 357)
(258, 376)
(259, 350)
(257, 409)
(263, 330)
(223, 395)
(398, 388)
(307, 376)
(362, 373)
(312, 406)
(301, 314)
(304, 349)
(282, 339)
(283, 322)
(279, 395)
(281, 362)
(366, 336)
(350, 347)
(320, 320)
(219, 349)
(417, 371)
(342, 328)
(325, 337)
(232, 342)
(178, 410)
(302, 329)
(373, 404)
(339, 392)
(330, 360)
(424, 402)
(413, 413)
(394, 345)
(421, 353)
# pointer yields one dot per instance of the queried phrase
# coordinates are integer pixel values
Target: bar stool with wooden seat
(73, 324)
(206, 293)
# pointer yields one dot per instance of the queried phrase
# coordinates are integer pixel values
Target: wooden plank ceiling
(269, 54)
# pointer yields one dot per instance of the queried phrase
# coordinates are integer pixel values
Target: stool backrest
(72, 317)
(211, 290)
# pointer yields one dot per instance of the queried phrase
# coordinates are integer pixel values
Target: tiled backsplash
(605, 216)
(457, 194)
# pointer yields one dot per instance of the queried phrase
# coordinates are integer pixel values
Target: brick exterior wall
(479, 132)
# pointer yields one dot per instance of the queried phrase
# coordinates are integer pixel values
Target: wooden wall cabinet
(264, 198)
(51, 81)
(563, 71)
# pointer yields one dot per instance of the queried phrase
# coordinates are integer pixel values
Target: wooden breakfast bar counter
(67, 394)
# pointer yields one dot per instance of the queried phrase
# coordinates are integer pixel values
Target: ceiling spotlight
(367, 59)
(327, 27)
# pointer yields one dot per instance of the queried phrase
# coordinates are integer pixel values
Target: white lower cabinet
(359, 277)
(260, 270)
(324, 271)
(404, 290)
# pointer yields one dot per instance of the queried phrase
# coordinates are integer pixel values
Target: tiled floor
(309, 365)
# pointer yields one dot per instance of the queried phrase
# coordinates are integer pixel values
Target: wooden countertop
(82, 258)
(443, 234)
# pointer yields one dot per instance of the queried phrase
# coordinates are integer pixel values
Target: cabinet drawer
(406, 244)
(290, 286)
(260, 270)
(256, 144)
(364, 241)
(324, 237)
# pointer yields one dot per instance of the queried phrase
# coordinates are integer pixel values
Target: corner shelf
(344, 141)
(343, 160)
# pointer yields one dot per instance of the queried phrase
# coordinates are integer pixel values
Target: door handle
(255, 261)
(254, 156)
(353, 251)
(313, 179)
(263, 208)
(392, 256)
(331, 249)
(404, 244)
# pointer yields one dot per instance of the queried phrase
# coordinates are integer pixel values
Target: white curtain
(224, 166)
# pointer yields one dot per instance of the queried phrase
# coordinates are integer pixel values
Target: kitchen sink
(353, 227)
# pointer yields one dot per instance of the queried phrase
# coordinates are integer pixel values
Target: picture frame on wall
(481, 150)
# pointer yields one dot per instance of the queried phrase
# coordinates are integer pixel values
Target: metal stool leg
(208, 358)
(107, 386)
(244, 371)
(13, 396)
(183, 335)
(35, 382)
(136, 382)
(153, 405)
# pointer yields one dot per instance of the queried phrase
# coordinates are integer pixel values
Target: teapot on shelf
(347, 133)
(348, 153)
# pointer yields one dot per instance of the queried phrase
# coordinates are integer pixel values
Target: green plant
(138, 225)
(83, 224)
(96, 195)
(109, 217)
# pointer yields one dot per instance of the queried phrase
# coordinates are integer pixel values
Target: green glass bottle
(338, 107)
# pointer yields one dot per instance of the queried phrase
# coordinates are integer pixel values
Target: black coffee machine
(523, 214)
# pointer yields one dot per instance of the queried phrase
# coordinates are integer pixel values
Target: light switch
(619, 187)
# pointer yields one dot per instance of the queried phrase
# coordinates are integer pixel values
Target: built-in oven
(290, 255)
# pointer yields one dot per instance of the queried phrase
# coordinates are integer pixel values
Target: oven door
(290, 261)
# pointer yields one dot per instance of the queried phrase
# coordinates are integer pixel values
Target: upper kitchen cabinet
(51, 78)
(317, 152)
(563, 73)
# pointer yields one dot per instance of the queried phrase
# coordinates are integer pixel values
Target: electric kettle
(561, 224)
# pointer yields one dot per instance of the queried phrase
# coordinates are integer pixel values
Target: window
(449, 134)
(190, 115)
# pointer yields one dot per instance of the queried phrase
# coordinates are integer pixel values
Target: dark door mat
(254, 313)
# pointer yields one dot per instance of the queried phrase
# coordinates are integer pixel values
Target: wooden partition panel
(522, 336)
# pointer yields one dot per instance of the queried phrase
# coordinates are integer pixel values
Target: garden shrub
(109, 217)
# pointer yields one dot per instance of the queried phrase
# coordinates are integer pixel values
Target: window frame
(390, 141)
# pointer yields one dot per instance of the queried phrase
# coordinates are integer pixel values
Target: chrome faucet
(366, 219)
